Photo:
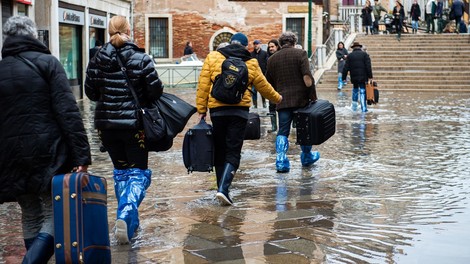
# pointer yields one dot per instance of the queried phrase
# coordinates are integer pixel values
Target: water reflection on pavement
(391, 186)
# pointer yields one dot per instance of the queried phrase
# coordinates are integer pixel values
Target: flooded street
(391, 186)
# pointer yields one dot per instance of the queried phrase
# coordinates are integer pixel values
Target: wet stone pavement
(391, 186)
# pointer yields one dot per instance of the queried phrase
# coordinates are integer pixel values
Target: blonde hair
(118, 29)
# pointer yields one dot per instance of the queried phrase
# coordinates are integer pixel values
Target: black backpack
(230, 86)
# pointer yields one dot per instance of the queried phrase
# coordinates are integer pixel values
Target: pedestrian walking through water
(41, 133)
(341, 55)
(229, 120)
(359, 66)
(117, 118)
(289, 73)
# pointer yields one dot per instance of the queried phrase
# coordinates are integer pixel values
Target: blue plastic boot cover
(120, 181)
(131, 197)
(340, 81)
(282, 162)
(355, 97)
(363, 100)
(307, 156)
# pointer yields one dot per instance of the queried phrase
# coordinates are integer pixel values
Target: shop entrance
(70, 47)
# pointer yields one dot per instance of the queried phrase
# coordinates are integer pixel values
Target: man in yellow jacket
(229, 120)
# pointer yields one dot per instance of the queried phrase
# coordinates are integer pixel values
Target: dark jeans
(430, 22)
(126, 148)
(285, 117)
(457, 23)
(229, 132)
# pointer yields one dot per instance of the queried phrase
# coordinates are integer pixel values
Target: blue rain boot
(363, 99)
(41, 250)
(227, 177)
(219, 170)
(282, 162)
(130, 198)
(307, 156)
(340, 82)
(355, 97)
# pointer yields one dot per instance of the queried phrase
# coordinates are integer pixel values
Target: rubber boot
(363, 99)
(307, 156)
(129, 200)
(254, 97)
(219, 170)
(340, 82)
(282, 162)
(227, 177)
(355, 97)
(41, 250)
(28, 242)
(273, 116)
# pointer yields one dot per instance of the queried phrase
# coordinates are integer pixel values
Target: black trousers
(229, 132)
(126, 148)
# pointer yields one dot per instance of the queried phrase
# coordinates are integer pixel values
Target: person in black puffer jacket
(41, 132)
(117, 118)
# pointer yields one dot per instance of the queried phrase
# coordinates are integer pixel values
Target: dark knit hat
(240, 38)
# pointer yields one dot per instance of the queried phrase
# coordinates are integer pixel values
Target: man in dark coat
(262, 57)
(359, 66)
(289, 73)
(41, 131)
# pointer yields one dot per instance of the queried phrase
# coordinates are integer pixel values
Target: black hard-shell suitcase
(198, 148)
(253, 127)
(80, 219)
(315, 123)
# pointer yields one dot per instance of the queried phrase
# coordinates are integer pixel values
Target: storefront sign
(97, 21)
(26, 2)
(71, 16)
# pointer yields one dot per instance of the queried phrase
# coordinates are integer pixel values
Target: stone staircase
(418, 62)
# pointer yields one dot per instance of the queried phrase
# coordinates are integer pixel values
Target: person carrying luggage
(289, 73)
(117, 118)
(359, 66)
(377, 9)
(42, 132)
(229, 120)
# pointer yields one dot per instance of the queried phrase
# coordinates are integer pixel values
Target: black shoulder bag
(152, 121)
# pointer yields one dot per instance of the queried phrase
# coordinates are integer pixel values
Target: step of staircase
(422, 62)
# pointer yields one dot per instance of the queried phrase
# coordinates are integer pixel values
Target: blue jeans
(36, 214)
(414, 24)
(285, 117)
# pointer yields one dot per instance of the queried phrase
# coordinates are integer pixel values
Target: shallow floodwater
(392, 186)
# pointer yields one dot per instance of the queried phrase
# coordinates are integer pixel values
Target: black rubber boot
(219, 170)
(28, 242)
(41, 250)
(226, 181)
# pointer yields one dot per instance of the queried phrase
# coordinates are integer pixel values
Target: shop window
(7, 11)
(159, 37)
(22, 9)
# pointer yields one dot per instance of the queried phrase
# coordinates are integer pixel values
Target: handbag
(175, 112)
(152, 121)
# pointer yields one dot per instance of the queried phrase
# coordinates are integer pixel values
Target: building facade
(69, 28)
(164, 27)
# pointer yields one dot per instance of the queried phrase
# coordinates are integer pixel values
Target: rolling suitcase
(372, 93)
(253, 127)
(198, 148)
(80, 219)
(315, 123)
